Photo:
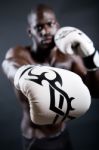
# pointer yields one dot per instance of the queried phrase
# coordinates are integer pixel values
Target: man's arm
(73, 41)
(92, 81)
(90, 77)
(15, 58)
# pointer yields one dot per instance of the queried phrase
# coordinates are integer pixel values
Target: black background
(84, 132)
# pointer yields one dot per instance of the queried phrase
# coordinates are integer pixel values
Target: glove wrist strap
(92, 61)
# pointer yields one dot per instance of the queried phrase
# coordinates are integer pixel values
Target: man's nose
(45, 30)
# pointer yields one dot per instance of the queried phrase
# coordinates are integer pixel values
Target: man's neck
(46, 56)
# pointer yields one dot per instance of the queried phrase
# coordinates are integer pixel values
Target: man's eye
(39, 28)
(49, 24)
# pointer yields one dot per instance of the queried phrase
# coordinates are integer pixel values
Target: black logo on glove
(52, 88)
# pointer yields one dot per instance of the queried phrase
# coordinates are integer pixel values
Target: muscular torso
(23, 56)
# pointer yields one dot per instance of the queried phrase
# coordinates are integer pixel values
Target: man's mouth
(47, 40)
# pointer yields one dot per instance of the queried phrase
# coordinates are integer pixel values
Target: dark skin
(42, 27)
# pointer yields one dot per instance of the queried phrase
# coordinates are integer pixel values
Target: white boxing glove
(73, 41)
(54, 94)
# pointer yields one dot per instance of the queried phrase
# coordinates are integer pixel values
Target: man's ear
(58, 25)
(29, 32)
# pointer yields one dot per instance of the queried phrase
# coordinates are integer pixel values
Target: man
(42, 28)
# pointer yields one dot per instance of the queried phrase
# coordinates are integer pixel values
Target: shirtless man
(42, 27)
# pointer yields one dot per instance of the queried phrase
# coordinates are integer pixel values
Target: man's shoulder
(18, 50)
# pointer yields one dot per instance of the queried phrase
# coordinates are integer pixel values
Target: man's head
(42, 27)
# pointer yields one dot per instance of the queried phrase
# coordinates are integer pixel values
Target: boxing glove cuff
(92, 61)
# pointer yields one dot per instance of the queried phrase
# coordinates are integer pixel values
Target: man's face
(43, 27)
